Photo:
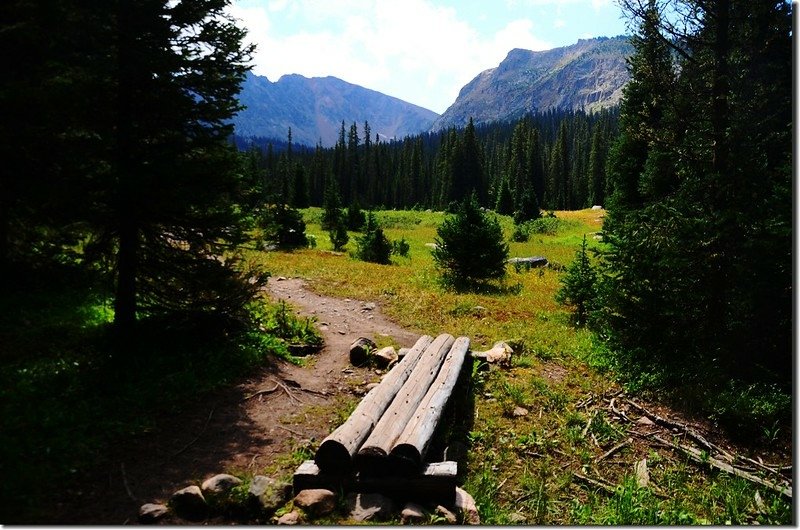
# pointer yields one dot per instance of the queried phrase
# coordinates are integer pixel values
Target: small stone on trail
(412, 513)
(189, 504)
(150, 513)
(316, 502)
(280, 279)
(289, 519)
(369, 306)
(644, 420)
(268, 494)
(447, 515)
(221, 483)
(520, 411)
(466, 505)
(369, 506)
(386, 356)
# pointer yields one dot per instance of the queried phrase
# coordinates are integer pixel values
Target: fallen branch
(618, 412)
(675, 425)
(262, 392)
(588, 424)
(185, 447)
(698, 457)
(603, 485)
(611, 451)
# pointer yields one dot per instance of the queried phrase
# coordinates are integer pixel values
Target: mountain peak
(315, 107)
(589, 74)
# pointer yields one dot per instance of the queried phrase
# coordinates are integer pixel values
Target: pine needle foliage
(470, 249)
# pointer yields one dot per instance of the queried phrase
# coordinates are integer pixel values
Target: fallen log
(410, 448)
(372, 458)
(335, 454)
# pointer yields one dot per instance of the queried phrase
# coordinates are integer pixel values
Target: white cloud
(415, 50)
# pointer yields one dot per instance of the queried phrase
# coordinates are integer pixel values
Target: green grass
(520, 469)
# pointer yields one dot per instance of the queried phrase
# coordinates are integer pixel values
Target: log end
(372, 461)
(333, 458)
(405, 459)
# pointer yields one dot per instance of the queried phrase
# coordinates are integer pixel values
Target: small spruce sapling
(579, 286)
(373, 246)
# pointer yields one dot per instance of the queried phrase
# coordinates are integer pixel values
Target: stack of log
(390, 431)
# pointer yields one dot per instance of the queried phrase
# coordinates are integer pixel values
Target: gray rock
(528, 263)
(219, 484)
(402, 352)
(189, 504)
(369, 507)
(448, 516)
(386, 356)
(519, 412)
(316, 502)
(412, 514)
(290, 519)
(466, 505)
(151, 513)
(267, 494)
(369, 306)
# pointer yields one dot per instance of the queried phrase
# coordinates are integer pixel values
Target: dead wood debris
(288, 386)
(711, 454)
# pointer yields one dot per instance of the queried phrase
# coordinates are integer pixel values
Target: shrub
(338, 236)
(400, 247)
(373, 246)
(470, 247)
(284, 227)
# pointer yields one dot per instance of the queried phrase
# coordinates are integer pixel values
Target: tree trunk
(413, 443)
(127, 254)
(372, 458)
(335, 454)
(125, 300)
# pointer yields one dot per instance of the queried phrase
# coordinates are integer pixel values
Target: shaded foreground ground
(227, 432)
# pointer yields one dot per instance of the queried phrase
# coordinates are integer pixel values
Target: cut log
(372, 458)
(335, 454)
(411, 446)
(360, 351)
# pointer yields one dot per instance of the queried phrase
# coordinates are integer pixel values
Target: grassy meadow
(522, 469)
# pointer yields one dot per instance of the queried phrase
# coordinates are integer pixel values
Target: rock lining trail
(241, 429)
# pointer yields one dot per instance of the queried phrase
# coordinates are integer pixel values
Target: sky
(421, 51)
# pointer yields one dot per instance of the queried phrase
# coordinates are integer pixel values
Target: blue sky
(421, 51)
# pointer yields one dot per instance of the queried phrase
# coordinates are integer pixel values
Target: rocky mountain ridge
(589, 75)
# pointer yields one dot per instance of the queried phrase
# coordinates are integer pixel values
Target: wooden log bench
(381, 447)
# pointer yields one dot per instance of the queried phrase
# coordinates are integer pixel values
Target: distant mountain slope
(314, 108)
(589, 74)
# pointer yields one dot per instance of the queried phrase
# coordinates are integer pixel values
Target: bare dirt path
(228, 431)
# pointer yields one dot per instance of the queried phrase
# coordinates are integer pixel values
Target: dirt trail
(226, 431)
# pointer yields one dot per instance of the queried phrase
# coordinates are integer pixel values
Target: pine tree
(373, 245)
(332, 205)
(469, 247)
(505, 200)
(579, 286)
(155, 181)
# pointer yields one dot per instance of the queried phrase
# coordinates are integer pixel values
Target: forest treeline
(557, 156)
